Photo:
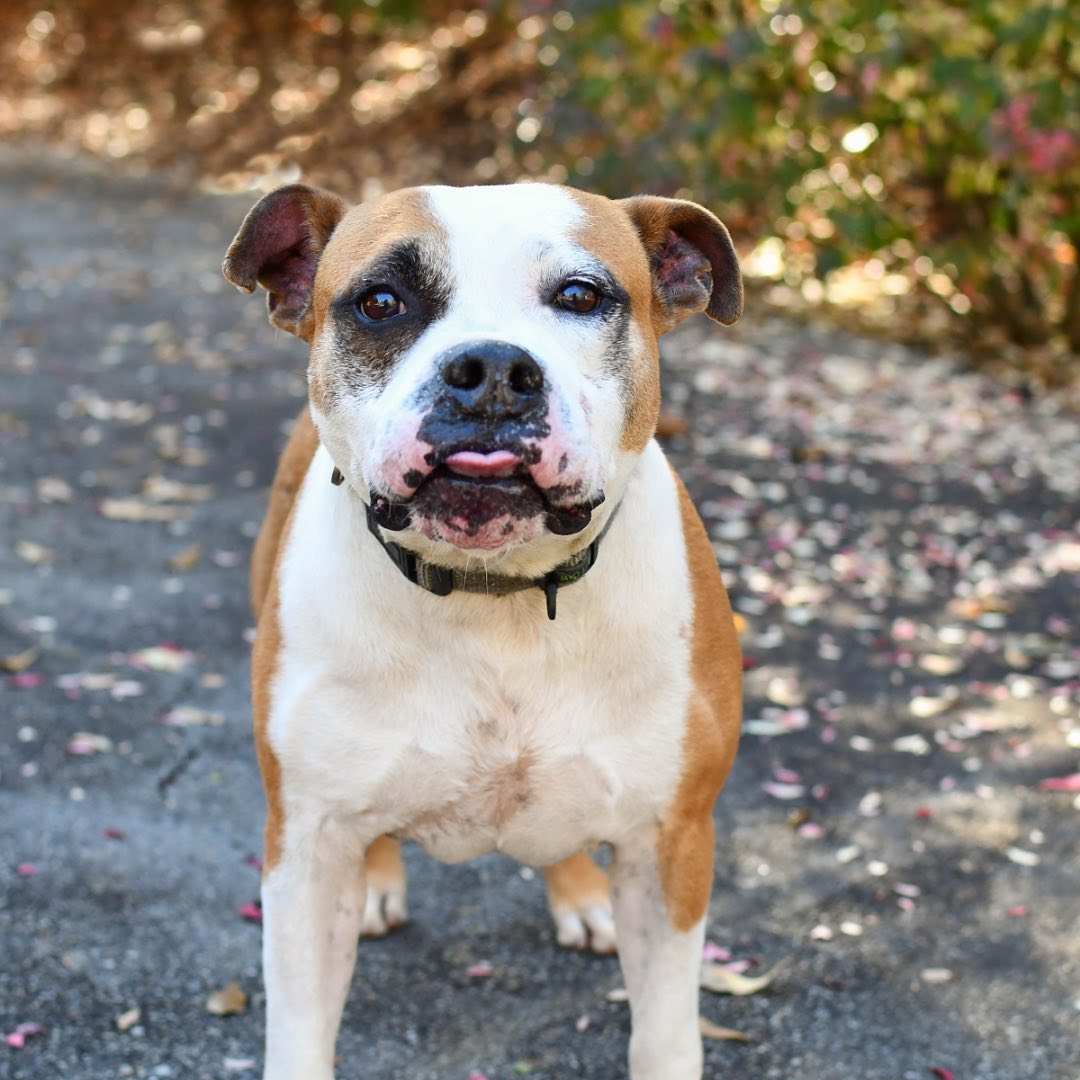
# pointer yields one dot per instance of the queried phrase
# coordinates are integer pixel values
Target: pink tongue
(470, 463)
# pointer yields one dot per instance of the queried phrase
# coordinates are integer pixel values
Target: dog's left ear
(279, 246)
(691, 256)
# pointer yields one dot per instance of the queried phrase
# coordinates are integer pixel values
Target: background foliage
(932, 146)
(912, 166)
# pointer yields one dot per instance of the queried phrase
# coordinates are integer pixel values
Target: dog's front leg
(660, 945)
(313, 905)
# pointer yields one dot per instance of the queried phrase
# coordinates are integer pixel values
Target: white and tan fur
(471, 723)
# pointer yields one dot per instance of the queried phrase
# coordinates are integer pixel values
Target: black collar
(443, 580)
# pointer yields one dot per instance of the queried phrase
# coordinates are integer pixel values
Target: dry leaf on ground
(713, 1031)
(228, 1001)
(127, 1020)
(720, 980)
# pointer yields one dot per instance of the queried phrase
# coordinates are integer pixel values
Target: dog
(489, 617)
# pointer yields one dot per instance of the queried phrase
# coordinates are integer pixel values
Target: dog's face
(484, 361)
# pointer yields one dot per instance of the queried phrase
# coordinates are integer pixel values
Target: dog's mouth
(468, 492)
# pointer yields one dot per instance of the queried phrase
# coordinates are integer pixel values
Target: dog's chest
(467, 743)
(499, 777)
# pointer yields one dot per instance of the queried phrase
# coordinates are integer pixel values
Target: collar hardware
(443, 580)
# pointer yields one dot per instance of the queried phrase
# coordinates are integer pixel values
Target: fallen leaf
(228, 1001)
(17, 1039)
(721, 980)
(52, 489)
(250, 912)
(190, 716)
(935, 976)
(186, 560)
(712, 951)
(1022, 857)
(784, 791)
(1061, 783)
(85, 743)
(25, 680)
(33, 553)
(17, 662)
(162, 658)
(127, 1020)
(137, 510)
(161, 489)
(713, 1031)
(940, 664)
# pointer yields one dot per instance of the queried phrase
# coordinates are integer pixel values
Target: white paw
(591, 926)
(384, 908)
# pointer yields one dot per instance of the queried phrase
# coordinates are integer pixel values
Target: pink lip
(471, 463)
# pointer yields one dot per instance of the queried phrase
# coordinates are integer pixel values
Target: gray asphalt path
(899, 535)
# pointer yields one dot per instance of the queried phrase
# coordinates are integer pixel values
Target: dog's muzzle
(486, 416)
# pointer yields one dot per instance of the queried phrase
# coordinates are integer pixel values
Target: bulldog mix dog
(489, 618)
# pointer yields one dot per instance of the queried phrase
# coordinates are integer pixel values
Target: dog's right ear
(279, 246)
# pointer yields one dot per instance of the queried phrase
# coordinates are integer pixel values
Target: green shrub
(936, 144)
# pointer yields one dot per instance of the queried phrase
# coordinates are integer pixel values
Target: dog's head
(484, 362)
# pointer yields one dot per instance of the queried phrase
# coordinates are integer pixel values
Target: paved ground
(899, 535)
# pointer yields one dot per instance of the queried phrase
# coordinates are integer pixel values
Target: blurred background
(908, 169)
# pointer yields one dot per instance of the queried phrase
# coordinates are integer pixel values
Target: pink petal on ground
(1061, 783)
(713, 952)
(254, 862)
(478, 1076)
(26, 869)
(17, 1039)
(479, 971)
(784, 791)
(25, 680)
(1017, 912)
(786, 776)
(250, 912)
(940, 1073)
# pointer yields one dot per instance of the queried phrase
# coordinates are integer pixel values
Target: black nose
(492, 379)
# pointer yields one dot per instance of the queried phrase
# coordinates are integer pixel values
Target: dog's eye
(577, 296)
(380, 303)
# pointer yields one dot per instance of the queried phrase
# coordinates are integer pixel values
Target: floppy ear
(279, 246)
(692, 258)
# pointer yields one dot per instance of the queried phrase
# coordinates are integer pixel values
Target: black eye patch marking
(387, 308)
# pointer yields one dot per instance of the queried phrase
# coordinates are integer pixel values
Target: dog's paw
(384, 905)
(384, 909)
(580, 903)
(590, 927)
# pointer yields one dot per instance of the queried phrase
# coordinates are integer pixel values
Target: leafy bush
(935, 144)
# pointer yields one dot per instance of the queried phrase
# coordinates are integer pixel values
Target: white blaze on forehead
(500, 239)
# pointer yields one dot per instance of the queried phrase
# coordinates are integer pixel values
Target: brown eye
(577, 296)
(380, 303)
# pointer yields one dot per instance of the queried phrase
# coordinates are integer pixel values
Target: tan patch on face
(290, 474)
(685, 848)
(610, 235)
(363, 233)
